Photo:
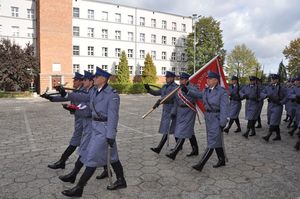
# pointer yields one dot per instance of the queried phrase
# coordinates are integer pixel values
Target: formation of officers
(95, 106)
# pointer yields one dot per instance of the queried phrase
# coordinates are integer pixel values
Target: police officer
(78, 128)
(290, 105)
(216, 102)
(166, 123)
(235, 104)
(294, 107)
(261, 104)
(276, 95)
(185, 113)
(104, 103)
(251, 93)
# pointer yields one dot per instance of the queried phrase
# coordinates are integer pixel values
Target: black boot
(221, 157)
(237, 121)
(290, 123)
(104, 174)
(194, 144)
(71, 177)
(177, 148)
(258, 123)
(203, 159)
(62, 162)
(246, 134)
(278, 137)
(297, 146)
(267, 137)
(286, 118)
(294, 128)
(161, 144)
(78, 189)
(226, 130)
(120, 182)
(253, 133)
(176, 139)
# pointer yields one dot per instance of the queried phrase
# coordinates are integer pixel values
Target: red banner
(200, 77)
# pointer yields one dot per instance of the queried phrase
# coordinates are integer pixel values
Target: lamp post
(194, 18)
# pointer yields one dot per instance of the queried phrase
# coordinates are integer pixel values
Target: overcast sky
(265, 26)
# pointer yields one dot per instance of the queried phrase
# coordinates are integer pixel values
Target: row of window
(15, 12)
(15, 31)
(130, 20)
(76, 52)
(91, 68)
(130, 36)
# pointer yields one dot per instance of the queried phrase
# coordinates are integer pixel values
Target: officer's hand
(222, 128)
(246, 97)
(147, 87)
(173, 116)
(156, 104)
(184, 88)
(110, 142)
(62, 91)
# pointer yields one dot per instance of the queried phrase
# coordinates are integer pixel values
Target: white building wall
(27, 33)
(111, 43)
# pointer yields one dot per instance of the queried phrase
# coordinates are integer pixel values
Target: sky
(265, 26)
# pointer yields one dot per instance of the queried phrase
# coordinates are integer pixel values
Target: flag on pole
(199, 79)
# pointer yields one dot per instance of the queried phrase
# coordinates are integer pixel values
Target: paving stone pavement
(34, 132)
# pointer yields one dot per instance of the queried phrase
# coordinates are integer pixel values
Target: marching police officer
(293, 99)
(276, 95)
(216, 102)
(104, 103)
(235, 105)
(290, 105)
(261, 104)
(166, 124)
(251, 93)
(185, 113)
(78, 128)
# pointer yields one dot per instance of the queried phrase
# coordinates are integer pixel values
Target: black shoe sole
(67, 180)
(197, 168)
(190, 155)
(154, 150)
(171, 157)
(118, 187)
(52, 167)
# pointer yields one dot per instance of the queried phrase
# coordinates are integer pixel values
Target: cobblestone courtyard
(34, 132)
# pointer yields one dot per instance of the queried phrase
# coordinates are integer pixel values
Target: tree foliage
(282, 72)
(241, 61)
(292, 53)
(123, 71)
(149, 73)
(209, 43)
(18, 66)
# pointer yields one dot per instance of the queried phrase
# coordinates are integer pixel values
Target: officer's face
(233, 81)
(99, 81)
(297, 82)
(87, 83)
(76, 83)
(169, 79)
(211, 82)
(183, 81)
(274, 81)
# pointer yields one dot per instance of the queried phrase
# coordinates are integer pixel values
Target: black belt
(213, 111)
(100, 120)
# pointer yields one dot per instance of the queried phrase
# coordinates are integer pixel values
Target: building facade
(80, 35)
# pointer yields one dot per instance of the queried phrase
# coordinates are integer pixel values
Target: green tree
(209, 43)
(123, 72)
(241, 61)
(149, 73)
(18, 67)
(282, 72)
(292, 53)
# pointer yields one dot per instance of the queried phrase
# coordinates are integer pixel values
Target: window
(90, 14)
(183, 41)
(182, 56)
(91, 50)
(104, 67)
(130, 70)
(142, 37)
(104, 33)
(163, 55)
(173, 56)
(76, 50)
(130, 19)
(141, 70)
(163, 70)
(118, 18)
(153, 39)
(91, 68)
(130, 53)
(164, 24)
(142, 54)
(173, 69)
(182, 69)
(104, 16)
(183, 27)
(142, 21)
(116, 69)
(76, 31)
(15, 31)
(30, 32)
(174, 26)
(130, 36)
(153, 23)
(76, 68)
(118, 35)
(104, 51)
(76, 13)
(117, 52)
(14, 11)
(173, 41)
(153, 54)
(164, 40)
(30, 13)
(90, 32)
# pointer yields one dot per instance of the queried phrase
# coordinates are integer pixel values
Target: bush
(129, 88)
(15, 94)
